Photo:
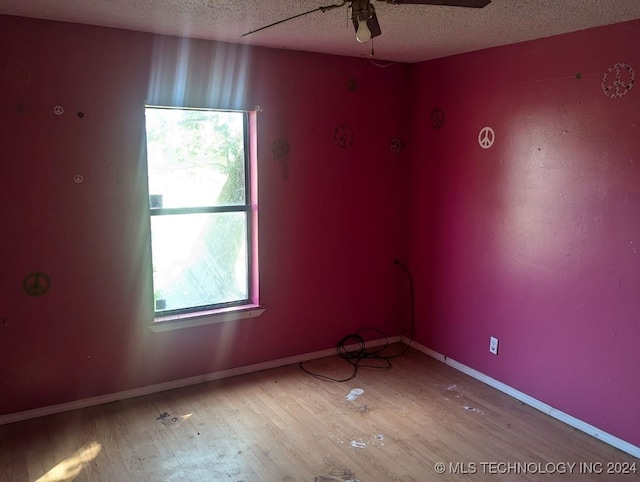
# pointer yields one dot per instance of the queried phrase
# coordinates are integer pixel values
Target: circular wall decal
(78, 178)
(486, 137)
(36, 284)
(58, 110)
(437, 118)
(618, 80)
(343, 135)
(395, 145)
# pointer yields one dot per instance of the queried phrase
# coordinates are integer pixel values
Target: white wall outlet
(493, 345)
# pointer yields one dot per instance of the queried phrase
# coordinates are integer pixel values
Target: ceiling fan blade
(319, 9)
(448, 3)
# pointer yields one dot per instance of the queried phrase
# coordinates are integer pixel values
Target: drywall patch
(618, 80)
(486, 137)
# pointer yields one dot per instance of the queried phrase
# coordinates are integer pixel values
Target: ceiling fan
(365, 20)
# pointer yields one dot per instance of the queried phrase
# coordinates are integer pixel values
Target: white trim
(188, 320)
(532, 402)
(183, 382)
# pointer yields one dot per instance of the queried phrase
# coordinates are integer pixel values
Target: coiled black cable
(362, 357)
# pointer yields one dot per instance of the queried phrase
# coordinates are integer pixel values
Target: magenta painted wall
(536, 240)
(328, 229)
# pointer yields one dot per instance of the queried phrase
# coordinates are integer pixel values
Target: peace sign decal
(36, 284)
(618, 80)
(486, 137)
(437, 118)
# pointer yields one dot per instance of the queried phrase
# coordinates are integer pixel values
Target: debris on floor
(165, 418)
(471, 409)
(353, 394)
(363, 408)
(338, 473)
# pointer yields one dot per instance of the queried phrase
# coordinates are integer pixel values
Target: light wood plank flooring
(284, 425)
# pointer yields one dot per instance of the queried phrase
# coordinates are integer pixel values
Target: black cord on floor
(363, 357)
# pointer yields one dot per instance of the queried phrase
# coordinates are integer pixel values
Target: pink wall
(536, 240)
(328, 232)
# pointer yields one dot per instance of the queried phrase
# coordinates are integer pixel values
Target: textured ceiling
(410, 33)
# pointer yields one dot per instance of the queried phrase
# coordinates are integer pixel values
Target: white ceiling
(410, 33)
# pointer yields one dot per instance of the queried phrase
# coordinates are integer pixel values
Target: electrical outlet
(493, 345)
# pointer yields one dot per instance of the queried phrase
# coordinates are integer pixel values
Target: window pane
(199, 259)
(195, 157)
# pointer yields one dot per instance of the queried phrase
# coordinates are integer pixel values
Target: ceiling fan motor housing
(364, 11)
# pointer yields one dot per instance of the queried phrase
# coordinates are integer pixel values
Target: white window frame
(251, 307)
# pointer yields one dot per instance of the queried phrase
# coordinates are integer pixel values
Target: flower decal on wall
(343, 135)
(395, 145)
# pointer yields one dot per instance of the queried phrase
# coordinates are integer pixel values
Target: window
(200, 210)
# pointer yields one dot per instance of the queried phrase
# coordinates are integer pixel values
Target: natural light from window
(200, 208)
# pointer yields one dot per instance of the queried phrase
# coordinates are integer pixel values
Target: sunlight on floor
(69, 468)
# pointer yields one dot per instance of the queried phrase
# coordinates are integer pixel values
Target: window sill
(189, 320)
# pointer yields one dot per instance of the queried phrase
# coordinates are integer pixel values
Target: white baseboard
(183, 382)
(533, 402)
(208, 377)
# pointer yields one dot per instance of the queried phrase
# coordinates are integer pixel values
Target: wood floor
(284, 425)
